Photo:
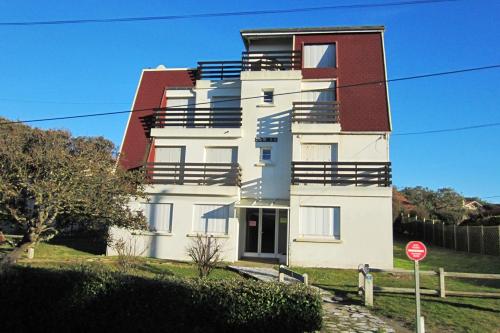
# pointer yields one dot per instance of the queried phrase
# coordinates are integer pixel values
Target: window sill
(317, 240)
(153, 233)
(263, 164)
(210, 235)
(266, 105)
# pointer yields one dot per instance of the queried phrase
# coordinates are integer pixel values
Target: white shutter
(180, 102)
(319, 56)
(169, 154)
(220, 154)
(159, 216)
(225, 101)
(320, 221)
(211, 219)
(319, 152)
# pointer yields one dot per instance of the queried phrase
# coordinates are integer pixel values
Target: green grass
(64, 252)
(451, 314)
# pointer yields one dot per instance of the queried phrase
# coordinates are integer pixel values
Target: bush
(88, 300)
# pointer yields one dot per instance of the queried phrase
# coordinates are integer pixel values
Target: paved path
(338, 317)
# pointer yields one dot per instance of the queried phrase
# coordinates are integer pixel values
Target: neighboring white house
(283, 154)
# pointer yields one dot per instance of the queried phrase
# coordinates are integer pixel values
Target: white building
(283, 154)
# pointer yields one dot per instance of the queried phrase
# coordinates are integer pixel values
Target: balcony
(271, 60)
(219, 179)
(251, 61)
(363, 174)
(315, 117)
(196, 122)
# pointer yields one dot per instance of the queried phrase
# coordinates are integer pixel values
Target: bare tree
(46, 174)
(128, 252)
(205, 251)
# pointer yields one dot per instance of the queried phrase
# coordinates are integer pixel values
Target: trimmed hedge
(88, 300)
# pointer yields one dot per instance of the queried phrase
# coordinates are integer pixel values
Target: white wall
(173, 245)
(365, 230)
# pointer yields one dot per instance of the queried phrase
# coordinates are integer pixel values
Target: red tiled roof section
(149, 95)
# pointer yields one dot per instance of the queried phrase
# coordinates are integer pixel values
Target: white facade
(334, 221)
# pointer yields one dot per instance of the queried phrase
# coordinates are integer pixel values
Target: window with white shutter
(320, 221)
(158, 216)
(221, 154)
(211, 219)
(319, 56)
(169, 154)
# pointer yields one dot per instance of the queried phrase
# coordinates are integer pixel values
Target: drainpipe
(288, 237)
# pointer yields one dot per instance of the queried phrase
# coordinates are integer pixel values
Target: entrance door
(268, 231)
(265, 232)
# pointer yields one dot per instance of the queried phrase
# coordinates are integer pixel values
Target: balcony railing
(224, 174)
(316, 112)
(218, 70)
(342, 173)
(271, 60)
(250, 61)
(197, 117)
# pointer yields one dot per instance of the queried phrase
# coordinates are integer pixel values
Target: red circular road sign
(416, 250)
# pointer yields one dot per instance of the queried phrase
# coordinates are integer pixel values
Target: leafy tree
(444, 204)
(47, 174)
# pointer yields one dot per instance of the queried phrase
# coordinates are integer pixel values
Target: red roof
(150, 91)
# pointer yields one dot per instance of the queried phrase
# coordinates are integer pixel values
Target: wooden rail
(283, 270)
(367, 288)
(342, 173)
(197, 117)
(271, 60)
(316, 112)
(225, 174)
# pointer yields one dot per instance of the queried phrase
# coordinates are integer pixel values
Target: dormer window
(319, 56)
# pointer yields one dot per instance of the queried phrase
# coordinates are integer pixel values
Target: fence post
(442, 287)
(281, 275)
(361, 282)
(482, 240)
(306, 279)
(499, 240)
(468, 241)
(455, 235)
(369, 290)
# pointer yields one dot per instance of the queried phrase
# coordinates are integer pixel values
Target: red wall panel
(149, 96)
(360, 59)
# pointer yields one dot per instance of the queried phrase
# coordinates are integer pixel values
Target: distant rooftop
(249, 34)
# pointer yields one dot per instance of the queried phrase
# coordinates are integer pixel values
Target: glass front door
(265, 232)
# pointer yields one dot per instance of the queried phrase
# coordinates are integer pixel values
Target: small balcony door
(220, 118)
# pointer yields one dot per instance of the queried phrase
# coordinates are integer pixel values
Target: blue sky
(95, 68)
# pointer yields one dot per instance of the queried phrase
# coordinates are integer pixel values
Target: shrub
(87, 300)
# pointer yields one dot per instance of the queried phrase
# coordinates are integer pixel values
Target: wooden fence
(366, 285)
(474, 239)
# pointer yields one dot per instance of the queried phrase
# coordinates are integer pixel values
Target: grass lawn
(77, 251)
(451, 314)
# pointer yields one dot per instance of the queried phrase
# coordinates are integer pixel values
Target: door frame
(275, 253)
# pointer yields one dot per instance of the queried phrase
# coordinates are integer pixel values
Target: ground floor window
(320, 221)
(158, 216)
(211, 219)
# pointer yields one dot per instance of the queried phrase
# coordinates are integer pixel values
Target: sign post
(417, 251)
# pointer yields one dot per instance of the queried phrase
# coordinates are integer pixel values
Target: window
(320, 221)
(158, 216)
(221, 154)
(265, 154)
(170, 154)
(268, 96)
(319, 56)
(211, 219)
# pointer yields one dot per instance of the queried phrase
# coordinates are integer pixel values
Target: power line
(407, 78)
(13, 100)
(455, 129)
(225, 14)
